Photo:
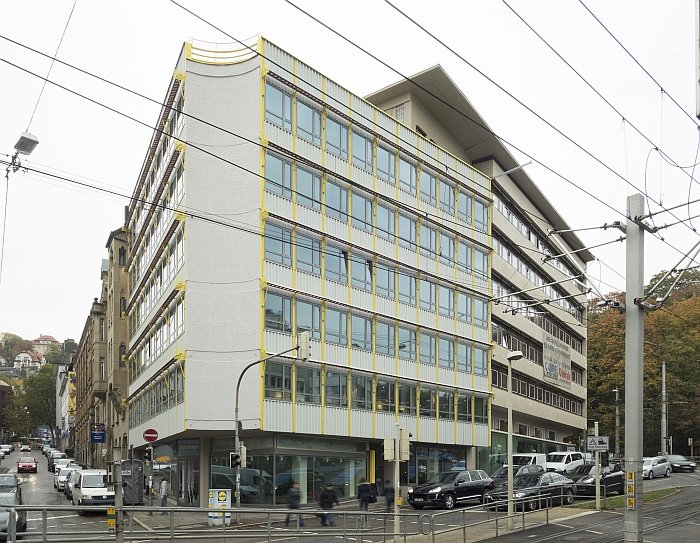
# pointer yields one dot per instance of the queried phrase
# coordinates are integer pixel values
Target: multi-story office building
(273, 201)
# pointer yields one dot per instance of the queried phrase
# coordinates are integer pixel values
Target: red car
(26, 463)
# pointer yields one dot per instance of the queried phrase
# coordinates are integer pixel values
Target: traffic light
(604, 459)
(404, 445)
(147, 455)
(389, 449)
(304, 346)
(235, 460)
(242, 450)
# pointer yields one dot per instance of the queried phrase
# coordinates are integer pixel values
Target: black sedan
(680, 463)
(449, 488)
(532, 491)
(612, 479)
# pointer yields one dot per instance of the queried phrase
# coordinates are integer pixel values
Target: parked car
(55, 455)
(612, 479)
(59, 479)
(655, 466)
(9, 482)
(68, 486)
(501, 474)
(533, 491)
(564, 461)
(25, 448)
(61, 462)
(2, 454)
(9, 500)
(27, 463)
(680, 463)
(448, 488)
(7, 449)
(90, 488)
(525, 459)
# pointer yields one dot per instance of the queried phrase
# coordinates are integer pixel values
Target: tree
(12, 344)
(688, 285)
(56, 355)
(40, 397)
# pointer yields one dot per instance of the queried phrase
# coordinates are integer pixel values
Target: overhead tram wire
(516, 99)
(692, 119)
(597, 92)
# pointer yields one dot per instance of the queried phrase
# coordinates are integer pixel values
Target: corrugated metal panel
(335, 163)
(426, 318)
(336, 421)
(336, 353)
(386, 189)
(361, 359)
(426, 372)
(362, 238)
(385, 247)
(276, 342)
(278, 416)
(446, 270)
(410, 137)
(388, 126)
(336, 291)
(446, 431)
(464, 433)
(445, 376)
(362, 299)
(446, 324)
(385, 425)
(308, 418)
(407, 198)
(481, 435)
(409, 423)
(336, 228)
(308, 283)
(426, 429)
(481, 382)
(407, 312)
(426, 262)
(305, 73)
(386, 306)
(362, 177)
(481, 334)
(309, 150)
(361, 424)
(278, 205)
(278, 274)
(385, 364)
(407, 368)
(341, 95)
(278, 135)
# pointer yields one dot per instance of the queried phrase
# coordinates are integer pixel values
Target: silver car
(655, 466)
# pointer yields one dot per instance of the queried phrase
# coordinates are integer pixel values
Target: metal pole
(149, 469)
(664, 421)
(118, 494)
(634, 369)
(509, 448)
(397, 454)
(597, 472)
(617, 424)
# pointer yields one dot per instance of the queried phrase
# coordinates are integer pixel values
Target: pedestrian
(326, 501)
(163, 489)
(389, 496)
(294, 502)
(364, 495)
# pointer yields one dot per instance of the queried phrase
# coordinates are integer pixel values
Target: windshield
(27, 460)
(583, 470)
(556, 457)
(94, 481)
(524, 481)
(8, 480)
(647, 461)
(440, 478)
(522, 460)
(65, 472)
(677, 458)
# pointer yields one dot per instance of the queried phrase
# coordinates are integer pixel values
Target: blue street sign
(97, 432)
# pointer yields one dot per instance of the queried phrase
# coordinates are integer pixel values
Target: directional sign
(97, 432)
(150, 435)
(597, 443)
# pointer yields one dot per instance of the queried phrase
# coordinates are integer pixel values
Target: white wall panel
(386, 189)
(385, 364)
(446, 431)
(276, 342)
(407, 198)
(308, 217)
(362, 238)
(427, 318)
(407, 368)
(277, 205)
(361, 299)
(278, 274)
(426, 373)
(386, 306)
(446, 376)
(385, 247)
(407, 312)
(336, 354)
(481, 334)
(361, 424)
(426, 429)
(426, 263)
(308, 283)
(336, 291)
(407, 255)
(446, 324)
(277, 135)
(362, 177)
(464, 433)
(308, 418)
(336, 421)
(309, 150)
(481, 382)
(481, 435)
(385, 425)
(336, 228)
(278, 416)
(409, 423)
(361, 359)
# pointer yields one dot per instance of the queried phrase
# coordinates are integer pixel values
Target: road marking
(50, 518)
(594, 532)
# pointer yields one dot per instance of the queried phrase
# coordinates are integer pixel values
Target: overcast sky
(56, 232)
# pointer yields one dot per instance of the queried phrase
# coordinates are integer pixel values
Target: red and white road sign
(150, 435)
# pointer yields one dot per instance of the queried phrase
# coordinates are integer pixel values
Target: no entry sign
(150, 435)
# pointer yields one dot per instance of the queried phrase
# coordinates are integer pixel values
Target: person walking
(326, 501)
(364, 495)
(389, 496)
(294, 502)
(163, 489)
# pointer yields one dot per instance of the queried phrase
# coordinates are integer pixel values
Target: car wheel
(568, 496)
(668, 472)
(530, 505)
(448, 501)
(481, 498)
(651, 475)
(416, 506)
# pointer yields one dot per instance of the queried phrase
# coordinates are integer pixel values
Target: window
(362, 156)
(446, 353)
(336, 264)
(427, 402)
(481, 215)
(408, 180)
(386, 165)
(464, 207)
(464, 307)
(386, 227)
(308, 255)
(407, 232)
(428, 187)
(336, 138)
(407, 399)
(278, 244)
(336, 202)
(481, 363)
(427, 349)
(407, 288)
(336, 389)
(361, 332)
(446, 301)
(361, 212)
(309, 318)
(361, 392)
(385, 339)
(464, 256)
(464, 357)
(278, 381)
(336, 327)
(446, 405)
(523, 429)
(464, 407)
(308, 189)
(407, 343)
(428, 240)
(480, 313)
(278, 107)
(278, 312)
(427, 295)
(362, 273)
(385, 281)
(447, 197)
(308, 123)
(386, 396)
(481, 260)
(122, 256)
(447, 248)
(308, 385)
(278, 176)
(481, 410)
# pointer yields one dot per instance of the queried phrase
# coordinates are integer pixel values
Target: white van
(90, 488)
(526, 459)
(564, 461)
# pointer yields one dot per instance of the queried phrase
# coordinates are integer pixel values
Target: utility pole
(597, 471)
(617, 424)
(118, 494)
(634, 369)
(664, 407)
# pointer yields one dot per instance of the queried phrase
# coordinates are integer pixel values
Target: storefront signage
(97, 432)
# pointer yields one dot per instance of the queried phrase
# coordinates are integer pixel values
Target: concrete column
(204, 470)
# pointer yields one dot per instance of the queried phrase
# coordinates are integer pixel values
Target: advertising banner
(556, 359)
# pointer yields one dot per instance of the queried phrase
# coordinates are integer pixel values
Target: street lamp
(512, 356)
